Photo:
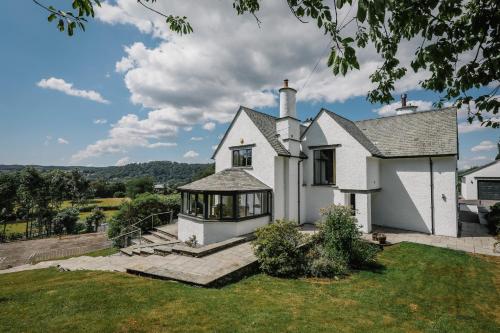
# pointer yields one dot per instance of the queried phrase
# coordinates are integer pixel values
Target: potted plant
(375, 236)
(381, 238)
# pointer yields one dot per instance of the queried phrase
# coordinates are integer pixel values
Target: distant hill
(164, 172)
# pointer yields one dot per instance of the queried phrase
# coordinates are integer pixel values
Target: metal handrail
(137, 229)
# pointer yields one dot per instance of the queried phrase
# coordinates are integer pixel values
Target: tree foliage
(459, 42)
(139, 185)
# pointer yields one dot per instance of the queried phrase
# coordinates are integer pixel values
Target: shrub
(319, 264)
(341, 238)
(95, 219)
(141, 207)
(277, 248)
(80, 228)
(66, 220)
(119, 194)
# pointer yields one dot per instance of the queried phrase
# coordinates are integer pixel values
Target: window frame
(209, 199)
(242, 160)
(334, 166)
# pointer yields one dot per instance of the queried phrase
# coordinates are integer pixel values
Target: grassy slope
(421, 288)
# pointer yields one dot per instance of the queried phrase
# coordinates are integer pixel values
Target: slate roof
(425, 133)
(226, 181)
(267, 126)
(357, 133)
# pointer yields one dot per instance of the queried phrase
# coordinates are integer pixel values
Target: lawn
(101, 202)
(418, 288)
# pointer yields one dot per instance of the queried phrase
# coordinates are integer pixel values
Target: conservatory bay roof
(229, 180)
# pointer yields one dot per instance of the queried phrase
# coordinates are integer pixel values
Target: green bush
(277, 248)
(66, 219)
(319, 264)
(341, 240)
(142, 206)
(493, 219)
(119, 194)
(95, 219)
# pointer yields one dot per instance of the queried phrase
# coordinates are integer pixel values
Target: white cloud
(100, 121)
(47, 141)
(123, 161)
(484, 146)
(62, 141)
(466, 127)
(210, 126)
(479, 158)
(390, 109)
(214, 147)
(67, 88)
(191, 154)
(466, 163)
(188, 128)
(208, 73)
(161, 144)
(196, 138)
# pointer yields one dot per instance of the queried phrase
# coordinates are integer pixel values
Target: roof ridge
(406, 114)
(259, 112)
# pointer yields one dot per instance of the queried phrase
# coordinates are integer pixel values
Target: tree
(8, 193)
(139, 185)
(459, 42)
(66, 219)
(95, 219)
(34, 200)
(57, 181)
(78, 188)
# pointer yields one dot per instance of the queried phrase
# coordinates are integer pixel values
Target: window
(226, 206)
(214, 206)
(242, 157)
(352, 201)
(324, 167)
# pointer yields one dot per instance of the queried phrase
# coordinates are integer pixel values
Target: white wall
(405, 200)
(262, 154)
(469, 188)
(351, 157)
(373, 173)
(445, 196)
(212, 232)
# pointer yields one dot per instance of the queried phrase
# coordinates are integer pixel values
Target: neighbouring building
(482, 183)
(397, 171)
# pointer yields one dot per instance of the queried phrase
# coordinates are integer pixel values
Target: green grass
(97, 253)
(101, 202)
(14, 227)
(418, 288)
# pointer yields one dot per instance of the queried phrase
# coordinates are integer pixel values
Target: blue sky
(159, 96)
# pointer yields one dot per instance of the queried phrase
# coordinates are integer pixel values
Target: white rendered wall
(445, 196)
(405, 199)
(262, 154)
(469, 188)
(373, 173)
(212, 232)
(364, 211)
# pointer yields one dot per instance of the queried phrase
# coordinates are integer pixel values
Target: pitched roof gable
(266, 125)
(478, 168)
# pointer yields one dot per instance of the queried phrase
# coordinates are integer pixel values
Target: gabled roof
(425, 133)
(351, 128)
(266, 125)
(228, 180)
(479, 168)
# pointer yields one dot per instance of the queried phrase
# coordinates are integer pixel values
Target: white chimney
(287, 101)
(404, 109)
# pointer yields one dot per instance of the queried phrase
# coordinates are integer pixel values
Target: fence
(71, 252)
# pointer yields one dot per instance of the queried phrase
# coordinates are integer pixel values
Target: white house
(397, 171)
(482, 183)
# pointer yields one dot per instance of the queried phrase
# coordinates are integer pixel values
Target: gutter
(432, 194)
(298, 190)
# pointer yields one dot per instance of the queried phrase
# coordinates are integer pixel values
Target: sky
(128, 90)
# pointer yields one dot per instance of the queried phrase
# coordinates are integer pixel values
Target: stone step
(146, 251)
(210, 248)
(163, 250)
(136, 252)
(127, 250)
(162, 235)
(168, 230)
(152, 239)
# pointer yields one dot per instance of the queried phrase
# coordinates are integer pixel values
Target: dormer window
(242, 157)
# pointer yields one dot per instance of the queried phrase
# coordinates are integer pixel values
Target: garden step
(136, 252)
(152, 239)
(163, 250)
(168, 229)
(127, 250)
(162, 235)
(146, 251)
(210, 248)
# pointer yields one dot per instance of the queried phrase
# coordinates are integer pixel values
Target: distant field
(101, 202)
(20, 226)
